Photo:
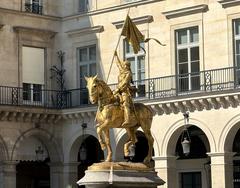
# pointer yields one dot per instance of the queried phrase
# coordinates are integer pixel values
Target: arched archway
(89, 152)
(192, 170)
(34, 150)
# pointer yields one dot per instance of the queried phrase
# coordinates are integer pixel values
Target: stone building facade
(44, 126)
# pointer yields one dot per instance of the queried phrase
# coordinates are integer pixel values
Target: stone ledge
(21, 29)
(185, 11)
(138, 20)
(84, 31)
(229, 3)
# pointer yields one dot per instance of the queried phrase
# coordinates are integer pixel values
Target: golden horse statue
(111, 115)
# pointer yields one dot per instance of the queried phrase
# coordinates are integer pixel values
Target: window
(191, 180)
(83, 6)
(34, 6)
(137, 66)
(236, 37)
(87, 67)
(33, 74)
(187, 47)
(32, 92)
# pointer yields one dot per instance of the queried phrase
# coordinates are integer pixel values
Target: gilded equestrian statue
(110, 114)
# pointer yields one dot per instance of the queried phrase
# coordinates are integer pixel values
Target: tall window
(187, 47)
(237, 48)
(83, 6)
(87, 67)
(34, 6)
(33, 74)
(137, 66)
(191, 180)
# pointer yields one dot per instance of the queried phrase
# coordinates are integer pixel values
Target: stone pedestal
(120, 175)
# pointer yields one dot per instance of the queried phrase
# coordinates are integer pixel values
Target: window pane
(194, 34)
(195, 54)
(195, 67)
(182, 36)
(83, 5)
(237, 27)
(92, 69)
(92, 53)
(26, 91)
(83, 72)
(183, 68)
(83, 54)
(183, 55)
(237, 47)
(37, 92)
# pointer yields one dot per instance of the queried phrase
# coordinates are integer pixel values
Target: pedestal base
(120, 175)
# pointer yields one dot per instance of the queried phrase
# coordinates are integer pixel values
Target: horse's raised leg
(146, 125)
(108, 144)
(100, 138)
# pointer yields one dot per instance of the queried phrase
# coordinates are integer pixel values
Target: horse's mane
(105, 87)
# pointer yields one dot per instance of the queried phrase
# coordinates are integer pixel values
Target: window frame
(88, 63)
(86, 7)
(191, 173)
(188, 46)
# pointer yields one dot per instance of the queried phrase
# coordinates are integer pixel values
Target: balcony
(34, 8)
(202, 83)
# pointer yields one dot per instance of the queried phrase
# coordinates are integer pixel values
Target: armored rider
(125, 90)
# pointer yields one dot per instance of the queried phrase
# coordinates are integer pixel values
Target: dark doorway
(94, 154)
(33, 174)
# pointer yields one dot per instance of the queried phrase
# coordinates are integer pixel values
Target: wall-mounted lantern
(186, 140)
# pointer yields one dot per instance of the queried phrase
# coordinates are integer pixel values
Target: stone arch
(228, 134)
(55, 152)
(4, 155)
(175, 130)
(74, 144)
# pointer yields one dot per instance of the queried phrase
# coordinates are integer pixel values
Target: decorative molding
(138, 20)
(85, 31)
(229, 3)
(22, 29)
(110, 9)
(185, 11)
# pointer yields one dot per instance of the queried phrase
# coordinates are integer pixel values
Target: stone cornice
(84, 31)
(138, 20)
(185, 11)
(110, 9)
(229, 3)
(34, 30)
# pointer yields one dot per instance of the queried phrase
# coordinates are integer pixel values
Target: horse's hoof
(108, 160)
(146, 161)
(103, 146)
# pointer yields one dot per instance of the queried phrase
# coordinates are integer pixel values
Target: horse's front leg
(108, 144)
(100, 137)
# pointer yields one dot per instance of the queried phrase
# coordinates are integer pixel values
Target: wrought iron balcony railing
(148, 89)
(34, 8)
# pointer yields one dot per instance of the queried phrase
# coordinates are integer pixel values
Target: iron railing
(147, 89)
(34, 8)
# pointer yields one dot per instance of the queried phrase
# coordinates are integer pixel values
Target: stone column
(8, 174)
(70, 174)
(56, 174)
(221, 170)
(166, 168)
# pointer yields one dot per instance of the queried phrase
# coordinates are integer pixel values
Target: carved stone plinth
(120, 175)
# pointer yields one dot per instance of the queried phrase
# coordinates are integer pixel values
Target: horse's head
(92, 86)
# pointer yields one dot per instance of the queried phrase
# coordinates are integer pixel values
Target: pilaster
(222, 169)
